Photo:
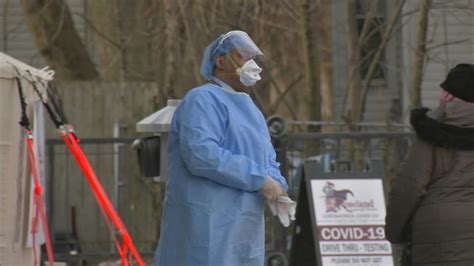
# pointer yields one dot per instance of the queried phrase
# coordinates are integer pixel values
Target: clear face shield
(246, 56)
(241, 44)
(237, 46)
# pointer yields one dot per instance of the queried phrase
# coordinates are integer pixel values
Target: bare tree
(187, 9)
(324, 44)
(103, 18)
(353, 54)
(311, 61)
(124, 38)
(56, 38)
(379, 53)
(420, 54)
(358, 87)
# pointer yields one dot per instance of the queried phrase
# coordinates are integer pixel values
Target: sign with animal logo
(350, 219)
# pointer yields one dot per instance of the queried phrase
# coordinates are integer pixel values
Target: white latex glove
(272, 189)
(285, 208)
(273, 207)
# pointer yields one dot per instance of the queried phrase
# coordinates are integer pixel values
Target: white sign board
(350, 218)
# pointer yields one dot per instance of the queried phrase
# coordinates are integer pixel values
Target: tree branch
(280, 93)
(99, 33)
(282, 96)
(446, 44)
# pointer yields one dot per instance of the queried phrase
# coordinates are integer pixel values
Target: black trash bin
(148, 152)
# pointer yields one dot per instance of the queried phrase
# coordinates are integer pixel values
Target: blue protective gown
(219, 155)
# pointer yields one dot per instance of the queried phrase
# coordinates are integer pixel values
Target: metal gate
(80, 233)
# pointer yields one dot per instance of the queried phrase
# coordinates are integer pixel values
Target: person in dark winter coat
(431, 203)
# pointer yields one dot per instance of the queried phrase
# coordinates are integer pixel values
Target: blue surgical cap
(233, 40)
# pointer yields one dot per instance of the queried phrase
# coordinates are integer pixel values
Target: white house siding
(451, 31)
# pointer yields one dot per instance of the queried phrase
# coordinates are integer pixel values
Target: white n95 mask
(249, 73)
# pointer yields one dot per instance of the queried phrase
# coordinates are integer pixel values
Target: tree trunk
(186, 9)
(173, 45)
(420, 53)
(136, 37)
(353, 52)
(324, 43)
(56, 38)
(104, 19)
(353, 113)
(311, 63)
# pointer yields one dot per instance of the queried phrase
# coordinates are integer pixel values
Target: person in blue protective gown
(222, 166)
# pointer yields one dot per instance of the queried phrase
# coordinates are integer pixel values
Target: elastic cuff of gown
(281, 180)
(259, 180)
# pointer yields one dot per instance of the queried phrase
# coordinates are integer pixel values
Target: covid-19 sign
(350, 219)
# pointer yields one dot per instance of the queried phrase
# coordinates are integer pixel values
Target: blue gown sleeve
(201, 131)
(274, 170)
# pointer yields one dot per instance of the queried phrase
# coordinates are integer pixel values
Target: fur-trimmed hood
(444, 127)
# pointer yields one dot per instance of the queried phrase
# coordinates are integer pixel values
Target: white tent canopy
(15, 181)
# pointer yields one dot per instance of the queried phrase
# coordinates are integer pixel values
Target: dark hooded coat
(431, 203)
